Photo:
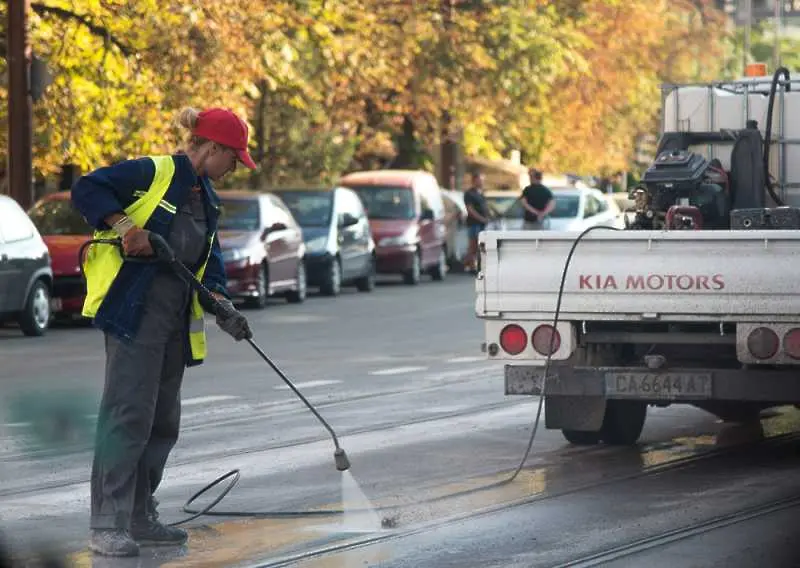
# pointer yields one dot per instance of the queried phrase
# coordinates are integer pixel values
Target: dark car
(339, 246)
(407, 218)
(262, 247)
(26, 275)
(64, 231)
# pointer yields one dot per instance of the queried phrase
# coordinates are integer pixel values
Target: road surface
(399, 374)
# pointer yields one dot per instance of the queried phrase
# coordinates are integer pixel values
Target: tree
(612, 95)
(329, 86)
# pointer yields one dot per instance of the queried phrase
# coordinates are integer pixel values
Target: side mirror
(273, 228)
(427, 215)
(347, 220)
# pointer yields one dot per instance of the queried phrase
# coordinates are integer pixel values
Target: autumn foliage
(334, 85)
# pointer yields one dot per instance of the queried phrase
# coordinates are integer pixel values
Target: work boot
(149, 531)
(113, 542)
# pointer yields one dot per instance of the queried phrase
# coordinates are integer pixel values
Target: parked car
(64, 231)
(406, 215)
(339, 245)
(262, 247)
(26, 274)
(576, 209)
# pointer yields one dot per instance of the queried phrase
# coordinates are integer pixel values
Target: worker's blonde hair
(187, 119)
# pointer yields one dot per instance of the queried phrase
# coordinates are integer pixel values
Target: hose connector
(340, 457)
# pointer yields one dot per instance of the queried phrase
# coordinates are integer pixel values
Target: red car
(407, 218)
(262, 247)
(64, 231)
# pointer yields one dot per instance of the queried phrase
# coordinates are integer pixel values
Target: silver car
(576, 208)
(26, 275)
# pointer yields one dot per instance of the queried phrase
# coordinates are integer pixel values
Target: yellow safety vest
(103, 262)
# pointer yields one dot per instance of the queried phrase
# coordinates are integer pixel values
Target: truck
(696, 301)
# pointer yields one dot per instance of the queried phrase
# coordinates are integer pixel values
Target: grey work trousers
(140, 411)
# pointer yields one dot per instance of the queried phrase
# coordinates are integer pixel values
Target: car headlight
(316, 245)
(407, 238)
(240, 254)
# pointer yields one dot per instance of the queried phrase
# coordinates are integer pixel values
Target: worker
(538, 202)
(152, 319)
(477, 219)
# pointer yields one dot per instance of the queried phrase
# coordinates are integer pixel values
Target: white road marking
(397, 370)
(466, 359)
(308, 384)
(206, 399)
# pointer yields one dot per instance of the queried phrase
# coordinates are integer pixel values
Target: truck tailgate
(635, 275)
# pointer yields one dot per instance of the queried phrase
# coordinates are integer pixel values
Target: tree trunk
(406, 145)
(261, 109)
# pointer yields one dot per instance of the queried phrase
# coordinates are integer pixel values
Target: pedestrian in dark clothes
(537, 199)
(477, 219)
(151, 318)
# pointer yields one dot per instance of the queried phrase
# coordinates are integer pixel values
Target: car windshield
(508, 206)
(239, 215)
(310, 208)
(505, 206)
(59, 217)
(387, 202)
(567, 206)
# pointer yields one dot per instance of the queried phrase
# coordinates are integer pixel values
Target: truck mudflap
(681, 385)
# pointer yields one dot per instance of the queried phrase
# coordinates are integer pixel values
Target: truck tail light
(513, 339)
(763, 343)
(541, 338)
(791, 343)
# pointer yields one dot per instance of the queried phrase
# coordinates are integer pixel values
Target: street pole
(778, 25)
(448, 176)
(748, 24)
(20, 139)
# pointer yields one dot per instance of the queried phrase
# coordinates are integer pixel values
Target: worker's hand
(136, 242)
(231, 321)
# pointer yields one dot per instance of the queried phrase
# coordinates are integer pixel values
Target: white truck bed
(641, 275)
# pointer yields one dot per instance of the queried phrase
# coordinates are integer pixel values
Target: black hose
(768, 142)
(235, 474)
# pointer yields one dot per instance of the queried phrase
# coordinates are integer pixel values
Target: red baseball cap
(223, 126)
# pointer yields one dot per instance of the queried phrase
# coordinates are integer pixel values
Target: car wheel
(440, 270)
(262, 289)
(413, 275)
(367, 283)
(333, 280)
(298, 295)
(35, 317)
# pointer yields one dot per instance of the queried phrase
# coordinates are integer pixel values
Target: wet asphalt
(399, 374)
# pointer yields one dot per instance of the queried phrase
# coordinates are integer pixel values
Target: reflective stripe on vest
(103, 262)
(197, 322)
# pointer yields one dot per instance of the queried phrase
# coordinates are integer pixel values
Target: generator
(683, 189)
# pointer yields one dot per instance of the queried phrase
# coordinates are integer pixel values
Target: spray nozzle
(342, 463)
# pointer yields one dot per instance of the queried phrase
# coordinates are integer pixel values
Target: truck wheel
(581, 437)
(623, 422)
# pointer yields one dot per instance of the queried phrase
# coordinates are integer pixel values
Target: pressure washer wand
(339, 456)
(164, 253)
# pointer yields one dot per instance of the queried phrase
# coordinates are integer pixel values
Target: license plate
(670, 386)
